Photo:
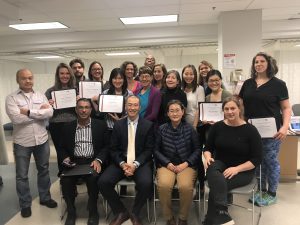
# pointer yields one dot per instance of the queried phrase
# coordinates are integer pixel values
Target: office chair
(197, 197)
(126, 182)
(245, 190)
(296, 109)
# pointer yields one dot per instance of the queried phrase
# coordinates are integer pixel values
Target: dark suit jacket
(99, 139)
(144, 141)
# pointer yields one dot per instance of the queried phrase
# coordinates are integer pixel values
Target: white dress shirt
(28, 130)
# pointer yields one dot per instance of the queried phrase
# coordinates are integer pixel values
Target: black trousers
(56, 135)
(143, 178)
(219, 185)
(69, 191)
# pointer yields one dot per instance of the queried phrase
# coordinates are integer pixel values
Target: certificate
(211, 111)
(64, 99)
(111, 103)
(265, 126)
(89, 89)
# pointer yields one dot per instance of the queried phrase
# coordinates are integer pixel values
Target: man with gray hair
(29, 111)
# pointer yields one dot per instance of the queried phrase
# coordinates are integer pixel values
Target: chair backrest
(296, 109)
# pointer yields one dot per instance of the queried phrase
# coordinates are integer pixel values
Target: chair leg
(148, 210)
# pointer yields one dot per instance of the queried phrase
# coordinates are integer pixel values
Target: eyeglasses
(214, 81)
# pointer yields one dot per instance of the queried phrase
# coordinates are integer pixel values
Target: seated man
(84, 142)
(131, 149)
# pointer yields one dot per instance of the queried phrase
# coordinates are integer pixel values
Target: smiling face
(158, 73)
(175, 113)
(118, 81)
(171, 81)
(132, 107)
(260, 64)
(145, 80)
(129, 71)
(203, 70)
(231, 111)
(83, 110)
(97, 72)
(188, 75)
(64, 76)
(214, 83)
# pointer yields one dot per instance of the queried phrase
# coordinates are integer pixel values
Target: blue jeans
(41, 155)
(270, 167)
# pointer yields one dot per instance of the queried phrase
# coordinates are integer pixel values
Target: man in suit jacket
(139, 168)
(84, 142)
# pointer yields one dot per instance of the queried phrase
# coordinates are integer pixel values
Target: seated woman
(150, 97)
(233, 150)
(176, 153)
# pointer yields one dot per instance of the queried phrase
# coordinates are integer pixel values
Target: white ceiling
(95, 26)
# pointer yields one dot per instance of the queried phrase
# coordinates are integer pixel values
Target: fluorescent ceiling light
(121, 53)
(48, 57)
(149, 19)
(38, 26)
(297, 45)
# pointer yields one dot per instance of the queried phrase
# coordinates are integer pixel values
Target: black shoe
(26, 212)
(71, 218)
(223, 218)
(93, 219)
(50, 203)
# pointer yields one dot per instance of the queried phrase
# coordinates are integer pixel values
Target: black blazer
(144, 141)
(99, 139)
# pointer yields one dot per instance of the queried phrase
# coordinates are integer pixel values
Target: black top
(264, 101)
(168, 95)
(177, 145)
(234, 145)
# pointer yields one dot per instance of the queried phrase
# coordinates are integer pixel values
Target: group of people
(158, 132)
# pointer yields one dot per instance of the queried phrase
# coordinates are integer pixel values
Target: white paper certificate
(89, 89)
(265, 126)
(64, 99)
(111, 103)
(211, 111)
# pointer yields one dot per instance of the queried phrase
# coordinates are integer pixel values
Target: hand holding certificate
(64, 99)
(88, 89)
(111, 103)
(266, 126)
(211, 111)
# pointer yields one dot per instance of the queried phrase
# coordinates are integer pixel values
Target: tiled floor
(285, 212)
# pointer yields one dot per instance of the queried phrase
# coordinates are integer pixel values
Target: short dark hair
(145, 69)
(77, 60)
(212, 73)
(84, 100)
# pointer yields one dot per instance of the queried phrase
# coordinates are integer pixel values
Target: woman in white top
(194, 94)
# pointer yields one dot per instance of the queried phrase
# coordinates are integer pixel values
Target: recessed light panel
(149, 19)
(38, 26)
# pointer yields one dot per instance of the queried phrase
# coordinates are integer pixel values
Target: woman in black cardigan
(177, 153)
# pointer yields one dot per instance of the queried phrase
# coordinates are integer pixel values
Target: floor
(285, 212)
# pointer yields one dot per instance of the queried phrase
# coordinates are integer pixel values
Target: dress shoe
(135, 220)
(93, 219)
(71, 218)
(182, 222)
(120, 218)
(26, 212)
(171, 222)
(49, 203)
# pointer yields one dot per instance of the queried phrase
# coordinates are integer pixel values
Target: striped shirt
(83, 141)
